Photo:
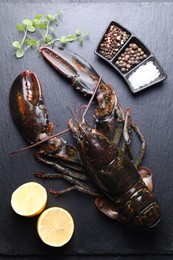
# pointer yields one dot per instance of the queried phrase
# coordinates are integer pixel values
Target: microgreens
(44, 32)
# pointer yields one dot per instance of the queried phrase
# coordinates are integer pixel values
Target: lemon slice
(29, 199)
(55, 226)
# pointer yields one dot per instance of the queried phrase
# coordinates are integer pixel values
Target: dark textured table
(95, 234)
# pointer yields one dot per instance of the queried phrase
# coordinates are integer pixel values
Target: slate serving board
(152, 110)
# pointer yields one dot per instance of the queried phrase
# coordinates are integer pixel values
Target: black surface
(151, 109)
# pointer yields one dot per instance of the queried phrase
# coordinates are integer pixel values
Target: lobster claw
(73, 67)
(27, 106)
(31, 117)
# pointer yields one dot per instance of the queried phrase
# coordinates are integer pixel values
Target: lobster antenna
(40, 142)
(92, 97)
(67, 106)
(80, 109)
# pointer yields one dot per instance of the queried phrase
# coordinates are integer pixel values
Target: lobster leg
(143, 145)
(60, 168)
(78, 183)
(127, 135)
(78, 187)
(128, 126)
(79, 179)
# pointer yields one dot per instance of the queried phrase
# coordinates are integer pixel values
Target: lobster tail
(139, 207)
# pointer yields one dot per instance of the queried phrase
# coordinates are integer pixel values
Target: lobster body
(116, 177)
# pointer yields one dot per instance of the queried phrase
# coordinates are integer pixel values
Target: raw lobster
(99, 166)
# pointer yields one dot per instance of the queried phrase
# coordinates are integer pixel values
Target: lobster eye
(89, 129)
(41, 106)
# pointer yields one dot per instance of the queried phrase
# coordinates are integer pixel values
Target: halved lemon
(55, 226)
(29, 199)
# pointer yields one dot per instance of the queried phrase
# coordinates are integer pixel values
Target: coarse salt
(144, 75)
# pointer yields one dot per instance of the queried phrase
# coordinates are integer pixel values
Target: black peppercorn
(131, 56)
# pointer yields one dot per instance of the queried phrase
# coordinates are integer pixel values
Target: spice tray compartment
(122, 36)
(128, 55)
(138, 79)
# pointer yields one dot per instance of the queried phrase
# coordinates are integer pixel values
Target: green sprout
(44, 32)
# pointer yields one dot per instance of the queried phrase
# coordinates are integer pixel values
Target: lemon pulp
(55, 226)
(29, 199)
